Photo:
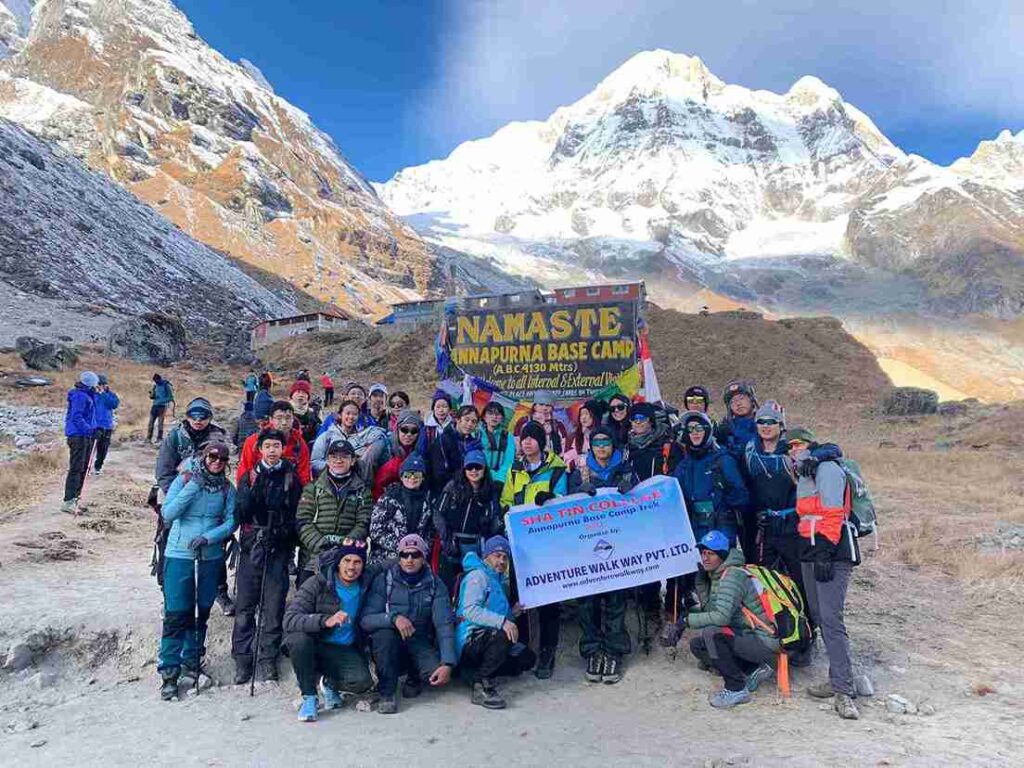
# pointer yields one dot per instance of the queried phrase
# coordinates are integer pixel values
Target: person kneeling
(321, 624)
(408, 618)
(742, 654)
(486, 636)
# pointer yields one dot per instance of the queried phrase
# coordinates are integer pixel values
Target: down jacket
(732, 590)
(329, 510)
(389, 522)
(192, 510)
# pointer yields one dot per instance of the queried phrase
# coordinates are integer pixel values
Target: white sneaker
(69, 507)
(97, 471)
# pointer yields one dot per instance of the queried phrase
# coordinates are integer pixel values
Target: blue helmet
(716, 541)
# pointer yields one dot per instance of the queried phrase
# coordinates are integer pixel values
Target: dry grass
(24, 480)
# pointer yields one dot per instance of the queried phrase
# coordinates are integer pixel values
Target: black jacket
(268, 499)
(316, 600)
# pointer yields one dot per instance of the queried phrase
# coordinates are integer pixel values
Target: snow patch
(256, 74)
(766, 238)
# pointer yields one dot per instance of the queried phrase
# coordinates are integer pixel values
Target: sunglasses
(602, 443)
(410, 555)
(408, 430)
(638, 417)
(474, 468)
(767, 422)
(397, 404)
(213, 457)
(618, 408)
(695, 399)
(693, 428)
(412, 475)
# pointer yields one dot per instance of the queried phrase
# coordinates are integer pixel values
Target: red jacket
(296, 451)
(389, 472)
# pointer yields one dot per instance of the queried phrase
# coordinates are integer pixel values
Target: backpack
(783, 605)
(859, 504)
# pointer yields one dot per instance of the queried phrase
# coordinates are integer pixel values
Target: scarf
(209, 481)
(412, 579)
(338, 483)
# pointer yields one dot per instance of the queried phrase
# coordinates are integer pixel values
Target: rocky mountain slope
(129, 87)
(793, 201)
(78, 253)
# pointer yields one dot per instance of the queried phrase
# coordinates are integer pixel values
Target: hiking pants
(780, 550)
(343, 666)
(250, 395)
(156, 417)
(748, 533)
(182, 641)
(826, 603)
(102, 446)
(78, 466)
(733, 654)
(391, 654)
(328, 395)
(487, 655)
(247, 597)
(550, 618)
(603, 624)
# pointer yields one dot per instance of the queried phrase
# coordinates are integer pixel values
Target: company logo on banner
(571, 352)
(584, 545)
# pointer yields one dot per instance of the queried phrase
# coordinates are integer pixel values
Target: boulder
(42, 356)
(33, 381)
(910, 401)
(19, 657)
(149, 338)
(953, 408)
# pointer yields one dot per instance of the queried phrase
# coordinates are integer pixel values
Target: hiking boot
(821, 691)
(485, 694)
(268, 670)
(243, 669)
(758, 676)
(332, 699)
(612, 671)
(69, 507)
(227, 605)
(670, 634)
(545, 664)
(703, 666)
(726, 699)
(845, 708)
(595, 663)
(169, 684)
(188, 677)
(307, 710)
(412, 687)
(98, 471)
(388, 705)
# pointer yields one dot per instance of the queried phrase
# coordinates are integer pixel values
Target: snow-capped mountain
(78, 253)
(129, 87)
(793, 201)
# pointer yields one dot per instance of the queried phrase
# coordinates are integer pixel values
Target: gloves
(198, 543)
(543, 498)
(589, 489)
(824, 570)
(807, 467)
(625, 485)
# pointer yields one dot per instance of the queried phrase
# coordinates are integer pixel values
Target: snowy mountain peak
(256, 74)
(809, 90)
(659, 71)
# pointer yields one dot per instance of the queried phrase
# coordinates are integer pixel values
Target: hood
(709, 443)
(473, 562)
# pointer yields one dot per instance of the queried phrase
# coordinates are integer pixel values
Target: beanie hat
(645, 410)
(413, 463)
(474, 457)
(801, 434)
(301, 385)
(601, 431)
(717, 542)
(199, 408)
(738, 387)
(412, 541)
(496, 544)
(218, 449)
(89, 378)
(357, 548)
(772, 410)
(440, 394)
(408, 417)
(535, 430)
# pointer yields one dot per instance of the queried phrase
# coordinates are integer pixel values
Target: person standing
(408, 618)
(604, 639)
(200, 511)
(617, 419)
(268, 496)
(499, 446)
(404, 439)
(406, 507)
(828, 554)
(306, 419)
(296, 451)
(328, 384)
(107, 402)
(264, 400)
(245, 427)
(446, 454)
(377, 406)
(79, 427)
(398, 401)
(468, 513)
(162, 395)
(250, 385)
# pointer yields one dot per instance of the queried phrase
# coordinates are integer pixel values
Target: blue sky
(399, 83)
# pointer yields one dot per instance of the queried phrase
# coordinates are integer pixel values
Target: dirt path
(80, 589)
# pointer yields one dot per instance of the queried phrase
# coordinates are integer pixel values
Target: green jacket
(730, 594)
(324, 512)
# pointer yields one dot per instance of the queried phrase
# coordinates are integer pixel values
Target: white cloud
(504, 60)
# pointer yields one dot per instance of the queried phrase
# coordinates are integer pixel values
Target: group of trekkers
(392, 525)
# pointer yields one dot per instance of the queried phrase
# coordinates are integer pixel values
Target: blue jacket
(713, 488)
(735, 432)
(79, 420)
(194, 511)
(106, 403)
(482, 603)
(162, 393)
(500, 450)
(251, 384)
(263, 402)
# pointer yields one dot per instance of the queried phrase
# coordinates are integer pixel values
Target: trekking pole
(88, 464)
(259, 619)
(195, 584)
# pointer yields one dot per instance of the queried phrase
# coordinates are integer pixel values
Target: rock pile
(910, 401)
